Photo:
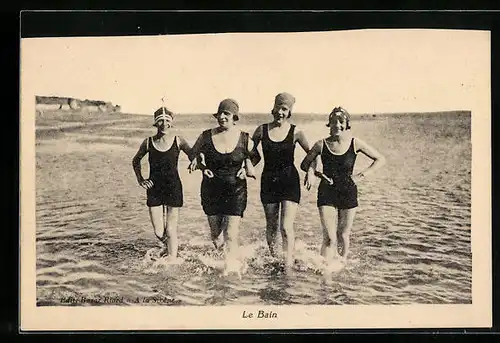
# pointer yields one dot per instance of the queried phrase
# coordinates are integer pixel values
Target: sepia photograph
(308, 180)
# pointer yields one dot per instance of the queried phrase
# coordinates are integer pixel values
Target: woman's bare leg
(346, 219)
(272, 223)
(328, 216)
(215, 222)
(287, 218)
(231, 237)
(171, 221)
(156, 214)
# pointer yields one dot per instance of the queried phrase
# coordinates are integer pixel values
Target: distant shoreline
(52, 123)
(314, 114)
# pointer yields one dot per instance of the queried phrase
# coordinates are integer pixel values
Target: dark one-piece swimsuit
(224, 193)
(167, 186)
(280, 179)
(343, 194)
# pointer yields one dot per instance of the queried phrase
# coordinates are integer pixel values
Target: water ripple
(410, 242)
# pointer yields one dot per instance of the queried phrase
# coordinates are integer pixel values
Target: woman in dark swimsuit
(280, 182)
(223, 154)
(163, 187)
(337, 192)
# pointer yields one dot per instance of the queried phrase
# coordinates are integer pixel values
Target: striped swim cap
(163, 114)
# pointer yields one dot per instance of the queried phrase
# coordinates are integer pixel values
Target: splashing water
(410, 242)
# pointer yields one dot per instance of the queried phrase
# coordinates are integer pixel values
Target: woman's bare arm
(310, 158)
(378, 159)
(136, 164)
(301, 138)
(249, 166)
(254, 153)
(194, 155)
(309, 164)
(184, 146)
(136, 160)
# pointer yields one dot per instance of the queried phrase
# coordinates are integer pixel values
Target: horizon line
(318, 113)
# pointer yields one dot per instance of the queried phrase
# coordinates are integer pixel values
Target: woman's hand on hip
(146, 184)
(357, 178)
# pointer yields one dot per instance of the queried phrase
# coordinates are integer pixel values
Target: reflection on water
(277, 287)
(410, 241)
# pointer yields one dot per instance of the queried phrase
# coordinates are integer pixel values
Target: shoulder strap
(265, 131)
(148, 144)
(205, 136)
(245, 138)
(291, 132)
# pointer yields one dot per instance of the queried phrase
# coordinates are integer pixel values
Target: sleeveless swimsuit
(225, 193)
(280, 179)
(167, 186)
(343, 194)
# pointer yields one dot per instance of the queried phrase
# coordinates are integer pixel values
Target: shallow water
(410, 241)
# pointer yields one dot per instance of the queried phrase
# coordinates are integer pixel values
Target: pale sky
(366, 71)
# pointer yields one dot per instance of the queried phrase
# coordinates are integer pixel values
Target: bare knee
(287, 228)
(159, 229)
(272, 221)
(171, 232)
(231, 229)
(345, 235)
(327, 241)
(271, 211)
(340, 236)
(231, 236)
(287, 231)
(160, 232)
(272, 227)
(230, 240)
(215, 235)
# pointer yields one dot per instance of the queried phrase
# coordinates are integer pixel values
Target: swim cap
(340, 111)
(163, 113)
(229, 106)
(284, 99)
